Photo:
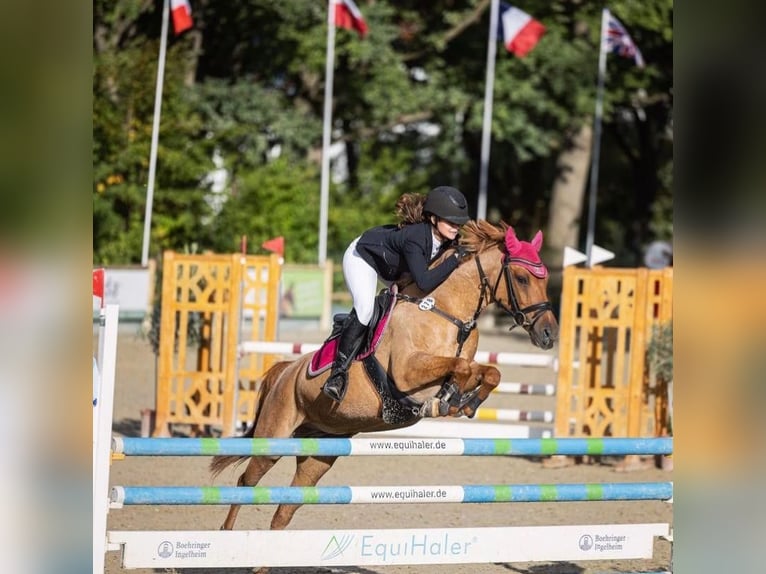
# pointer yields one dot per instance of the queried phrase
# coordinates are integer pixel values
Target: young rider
(428, 225)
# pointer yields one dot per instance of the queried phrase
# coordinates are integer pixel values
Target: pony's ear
(537, 241)
(512, 242)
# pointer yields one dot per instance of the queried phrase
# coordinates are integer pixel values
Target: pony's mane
(480, 235)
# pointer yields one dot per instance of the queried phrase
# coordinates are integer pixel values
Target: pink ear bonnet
(526, 253)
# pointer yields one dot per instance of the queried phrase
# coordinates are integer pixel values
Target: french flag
(520, 31)
(181, 12)
(348, 16)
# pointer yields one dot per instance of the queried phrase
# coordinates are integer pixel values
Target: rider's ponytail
(409, 208)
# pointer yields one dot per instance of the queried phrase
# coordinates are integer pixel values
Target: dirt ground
(135, 391)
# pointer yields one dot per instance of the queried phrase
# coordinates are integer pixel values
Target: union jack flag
(618, 41)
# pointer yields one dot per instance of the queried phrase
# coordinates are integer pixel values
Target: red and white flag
(348, 16)
(520, 31)
(181, 12)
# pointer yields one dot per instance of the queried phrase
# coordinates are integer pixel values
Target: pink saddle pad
(325, 355)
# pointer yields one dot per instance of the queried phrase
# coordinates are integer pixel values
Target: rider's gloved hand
(461, 252)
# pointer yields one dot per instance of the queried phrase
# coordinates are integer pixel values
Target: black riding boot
(349, 345)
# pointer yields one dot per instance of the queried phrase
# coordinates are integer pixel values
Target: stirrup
(335, 387)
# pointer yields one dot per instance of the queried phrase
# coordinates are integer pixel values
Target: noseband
(520, 316)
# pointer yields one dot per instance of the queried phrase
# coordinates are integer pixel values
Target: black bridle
(520, 316)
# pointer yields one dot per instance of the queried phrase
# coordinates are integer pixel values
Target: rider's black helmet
(448, 203)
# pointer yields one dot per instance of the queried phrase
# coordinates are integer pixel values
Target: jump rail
(133, 446)
(504, 387)
(516, 388)
(172, 495)
(513, 415)
(465, 428)
(485, 357)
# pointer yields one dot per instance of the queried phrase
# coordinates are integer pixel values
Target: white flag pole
(486, 132)
(155, 134)
(596, 138)
(324, 198)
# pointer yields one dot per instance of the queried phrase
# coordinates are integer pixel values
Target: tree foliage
(243, 97)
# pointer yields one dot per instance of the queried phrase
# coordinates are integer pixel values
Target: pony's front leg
(422, 369)
(487, 379)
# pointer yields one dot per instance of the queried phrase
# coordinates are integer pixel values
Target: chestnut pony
(427, 349)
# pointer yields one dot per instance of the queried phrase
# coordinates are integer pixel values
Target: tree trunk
(567, 197)
(191, 71)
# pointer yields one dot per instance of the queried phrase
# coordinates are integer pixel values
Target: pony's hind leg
(308, 471)
(256, 468)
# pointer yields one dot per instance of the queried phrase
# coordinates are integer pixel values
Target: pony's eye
(522, 279)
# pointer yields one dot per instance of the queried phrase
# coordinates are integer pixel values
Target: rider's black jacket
(394, 251)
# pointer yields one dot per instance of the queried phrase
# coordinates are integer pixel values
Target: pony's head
(526, 285)
(520, 287)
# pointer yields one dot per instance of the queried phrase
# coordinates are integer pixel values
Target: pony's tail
(222, 462)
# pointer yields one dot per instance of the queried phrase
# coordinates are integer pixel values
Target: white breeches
(362, 282)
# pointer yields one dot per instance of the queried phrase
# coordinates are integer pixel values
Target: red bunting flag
(277, 245)
(98, 284)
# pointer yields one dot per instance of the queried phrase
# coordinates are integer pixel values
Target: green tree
(246, 85)
(124, 82)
